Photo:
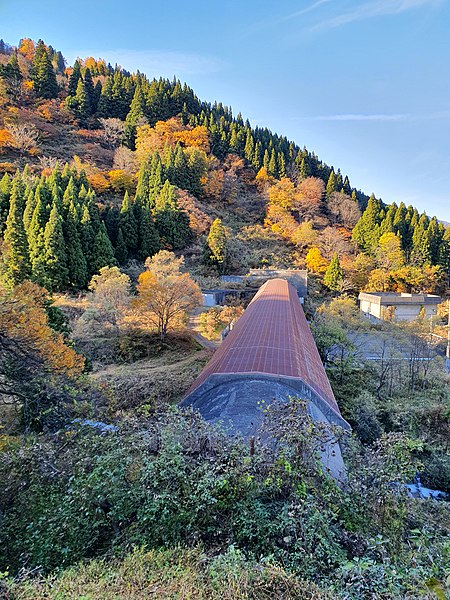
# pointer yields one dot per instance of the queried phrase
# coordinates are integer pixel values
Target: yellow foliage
(122, 181)
(24, 318)
(171, 132)
(315, 261)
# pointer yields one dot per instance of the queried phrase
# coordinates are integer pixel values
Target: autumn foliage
(23, 318)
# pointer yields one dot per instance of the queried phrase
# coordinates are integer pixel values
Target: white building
(391, 306)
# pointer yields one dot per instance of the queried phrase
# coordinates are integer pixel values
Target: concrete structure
(219, 297)
(398, 306)
(297, 277)
(269, 354)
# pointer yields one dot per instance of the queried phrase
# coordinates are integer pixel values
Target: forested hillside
(121, 198)
(102, 166)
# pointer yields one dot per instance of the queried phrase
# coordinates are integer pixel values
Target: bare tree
(343, 209)
(125, 160)
(113, 131)
(24, 136)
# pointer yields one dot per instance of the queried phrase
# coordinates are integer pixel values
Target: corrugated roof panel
(272, 337)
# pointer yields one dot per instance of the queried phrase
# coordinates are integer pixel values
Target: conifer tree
(143, 184)
(273, 169)
(5, 190)
(76, 261)
(102, 251)
(87, 236)
(90, 90)
(333, 275)
(36, 237)
(171, 222)
(121, 252)
(135, 117)
(83, 107)
(180, 169)
(16, 264)
(366, 232)
(45, 85)
(54, 264)
(331, 184)
(128, 225)
(74, 79)
(149, 242)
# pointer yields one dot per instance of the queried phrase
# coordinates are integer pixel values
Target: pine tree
(45, 85)
(87, 236)
(171, 222)
(36, 237)
(83, 106)
(5, 191)
(16, 264)
(102, 251)
(149, 242)
(121, 252)
(90, 90)
(332, 185)
(74, 79)
(76, 262)
(333, 275)
(273, 168)
(135, 117)
(128, 225)
(143, 184)
(54, 276)
(366, 232)
(180, 169)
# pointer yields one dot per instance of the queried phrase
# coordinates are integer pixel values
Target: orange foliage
(99, 182)
(23, 317)
(5, 137)
(27, 48)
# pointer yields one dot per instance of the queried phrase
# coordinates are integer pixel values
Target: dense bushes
(79, 495)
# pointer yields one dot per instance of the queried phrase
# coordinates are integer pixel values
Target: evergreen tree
(121, 252)
(180, 169)
(333, 275)
(74, 79)
(90, 90)
(273, 168)
(5, 190)
(83, 106)
(76, 261)
(143, 184)
(54, 264)
(149, 242)
(45, 85)
(171, 222)
(128, 225)
(87, 237)
(102, 251)
(16, 264)
(331, 184)
(135, 117)
(366, 232)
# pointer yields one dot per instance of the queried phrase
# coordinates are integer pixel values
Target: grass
(167, 574)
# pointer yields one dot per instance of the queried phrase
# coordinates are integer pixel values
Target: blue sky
(363, 83)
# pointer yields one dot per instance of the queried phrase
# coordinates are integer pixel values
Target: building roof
(395, 298)
(272, 337)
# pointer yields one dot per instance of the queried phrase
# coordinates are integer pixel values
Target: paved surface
(194, 326)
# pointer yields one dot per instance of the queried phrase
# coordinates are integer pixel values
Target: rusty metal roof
(272, 337)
